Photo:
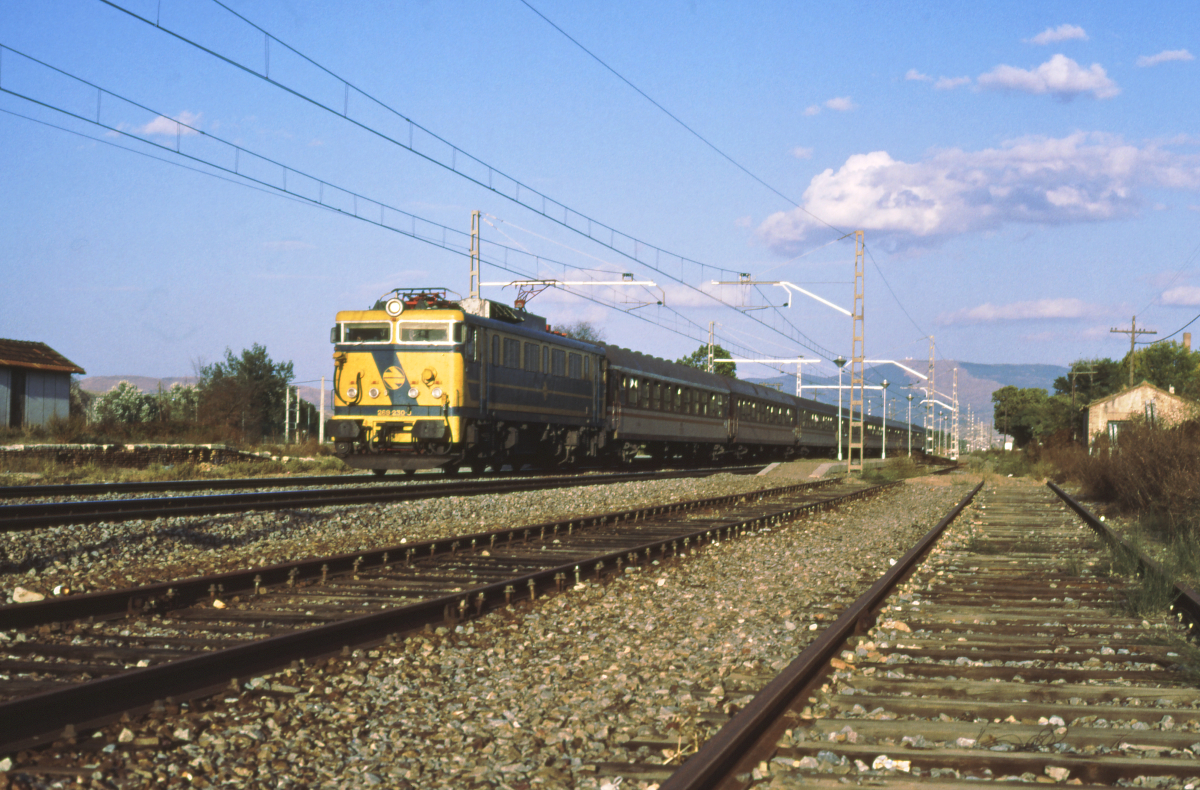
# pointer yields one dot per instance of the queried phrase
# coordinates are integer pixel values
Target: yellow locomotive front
(398, 383)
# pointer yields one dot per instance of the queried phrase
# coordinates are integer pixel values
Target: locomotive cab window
(367, 333)
(424, 333)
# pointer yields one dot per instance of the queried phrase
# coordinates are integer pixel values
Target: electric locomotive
(423, 381)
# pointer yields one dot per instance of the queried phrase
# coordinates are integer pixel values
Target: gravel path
(531, 697)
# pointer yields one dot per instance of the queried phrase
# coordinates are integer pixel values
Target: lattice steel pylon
(854, 459)
(929, 424)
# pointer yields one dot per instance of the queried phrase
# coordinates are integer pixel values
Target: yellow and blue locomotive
(422, 381)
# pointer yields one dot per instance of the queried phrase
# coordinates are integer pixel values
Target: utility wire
(695, 331)
(676, 118)
(627, 246)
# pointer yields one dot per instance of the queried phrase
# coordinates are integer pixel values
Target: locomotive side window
(470, 349)
(512, 353)
(587, 368)
(575, 366)
(531, 357)
(545, 359)
(558, 362)
(495, 350)
(367, 333)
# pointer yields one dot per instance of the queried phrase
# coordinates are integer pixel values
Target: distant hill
(102, 384)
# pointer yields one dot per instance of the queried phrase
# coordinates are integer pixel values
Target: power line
(688, 329)
(627, 246)
(676, 118)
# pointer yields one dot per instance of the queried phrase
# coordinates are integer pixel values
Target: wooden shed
(35, 383)
(1146, 401)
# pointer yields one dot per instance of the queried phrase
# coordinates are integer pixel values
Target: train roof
(654, 366)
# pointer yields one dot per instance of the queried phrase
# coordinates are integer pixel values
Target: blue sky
(1026, 177)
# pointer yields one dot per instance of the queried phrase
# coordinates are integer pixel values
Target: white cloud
(167, 126)
(743, 222)
(1053, 35)
(812, 109)
(1021, 311)
(913, 74)
(841, 104)
(802, 153)
(1182, 295)
(1059, 76)
(1164, 56)
(1084, 177)
(950, 83)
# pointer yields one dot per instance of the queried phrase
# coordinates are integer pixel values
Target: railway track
(1008, 653)
(71, 490)
(77, 661)
(21, 517)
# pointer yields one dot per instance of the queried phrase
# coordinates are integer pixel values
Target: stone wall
(130, 456)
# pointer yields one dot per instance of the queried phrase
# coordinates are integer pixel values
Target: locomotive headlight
(394, 307)
(413, 392)
(352, 392)
(373, 392)
(436, 392)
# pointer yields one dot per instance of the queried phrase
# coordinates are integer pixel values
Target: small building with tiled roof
(1145, 401)
(35, 383)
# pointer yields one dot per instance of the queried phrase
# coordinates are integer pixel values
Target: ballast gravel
(556, 694)
(114, 555)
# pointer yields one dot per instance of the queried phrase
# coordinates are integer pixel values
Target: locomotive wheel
(410, 471)
(379, 472)
(478, 468)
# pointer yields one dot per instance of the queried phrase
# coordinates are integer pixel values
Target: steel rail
(226, 484)
(16, 518)
(719, 757)
(149, 598)
(1186, 603)
(38, 718)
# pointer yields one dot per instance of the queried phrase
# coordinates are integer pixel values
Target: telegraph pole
(1133, 332)
(474, 283)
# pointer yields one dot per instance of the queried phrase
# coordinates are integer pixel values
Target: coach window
(512, 353)
(531, 357)
(644, 393)
(655, 395)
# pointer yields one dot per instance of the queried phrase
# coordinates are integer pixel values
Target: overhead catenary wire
(680, 324)
(637, 250)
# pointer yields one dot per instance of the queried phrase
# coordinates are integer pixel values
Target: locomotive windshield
(429, 332)
(366, 333)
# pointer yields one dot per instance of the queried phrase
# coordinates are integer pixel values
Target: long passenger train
(423, 381)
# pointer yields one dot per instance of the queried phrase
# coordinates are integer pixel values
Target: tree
(1023, 414)
(245, 394)
(583, 330)
(1166, 365)
(699, 359)
(124, 403)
